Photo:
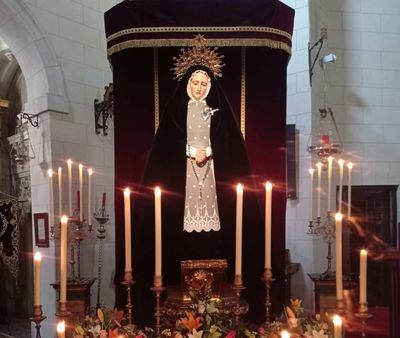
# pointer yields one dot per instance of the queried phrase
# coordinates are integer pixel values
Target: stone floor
(16, 328)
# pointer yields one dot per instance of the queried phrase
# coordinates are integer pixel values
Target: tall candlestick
(363, 276)
(63, 259)
(89, 217)
(51, 213)
(268, 225)
(69, 162)
(61, 329)
(330, 160)
(319, 171)
(341, 163)
(127, 211)
(337, 323)
(239, 227)
(339, 272)
(38, 279)
(158, 231)
(59, 176)
(350, 167)
(311, 213)
(81, 192)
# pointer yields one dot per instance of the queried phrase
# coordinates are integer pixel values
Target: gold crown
(200, 55)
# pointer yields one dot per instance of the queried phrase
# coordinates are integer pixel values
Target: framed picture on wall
(41, 223)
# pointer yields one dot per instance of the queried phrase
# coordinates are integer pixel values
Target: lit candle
(285, 334)
(51, 213)
(61, 329)
(81, 192)
(59, 176)
(89, 217)
(341, 163)
(127, 212)
(338, 261)
(330, 160)
(239, 226)
(38, 279)
(311, 171)
(63, 259)
(337, 324)
(350, 167)
(69, 162)
(268, 206)
(363, 276)
(319, 171)
(158, 243)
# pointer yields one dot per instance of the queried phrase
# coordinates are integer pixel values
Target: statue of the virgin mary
(197, 158)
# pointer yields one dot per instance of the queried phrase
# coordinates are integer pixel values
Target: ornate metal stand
(238, 287)
(158, 289)
(364, 315)
(128, 283)
(37, 318)
(62, 313)
(268, 279)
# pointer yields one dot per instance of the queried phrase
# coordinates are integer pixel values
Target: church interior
(199, 168)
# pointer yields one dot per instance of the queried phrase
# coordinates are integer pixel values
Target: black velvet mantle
(265, 110)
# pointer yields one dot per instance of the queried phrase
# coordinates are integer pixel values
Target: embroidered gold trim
(156, 90)
(198, 30)
(243, 93)
(210, 42)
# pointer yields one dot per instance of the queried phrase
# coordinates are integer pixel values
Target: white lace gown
(201, 207)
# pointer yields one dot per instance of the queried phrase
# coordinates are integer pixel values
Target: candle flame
(38, 256)
(50, 172)
(268, 186)
(319, 165)
(338, 216)
(350, 165)
(59, 169)
(157, 192)
(337, 321)
(90, 171)
(69, 162)
(80, 166)
(341, 162)
(330, 159)
(127, 192)
(239, 188)
(285, 334)
(64, 219)
(61, 327)
(311, 171)
(363, 252)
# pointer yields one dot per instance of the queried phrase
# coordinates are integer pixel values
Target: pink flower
(261, 331)
(139, 336)
(231, 334)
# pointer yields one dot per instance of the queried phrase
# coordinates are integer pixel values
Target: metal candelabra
(238, 287)
(128, 283)
(268, 279)
(158, 289)
(37, 318)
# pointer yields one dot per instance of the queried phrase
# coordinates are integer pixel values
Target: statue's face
(198, 85)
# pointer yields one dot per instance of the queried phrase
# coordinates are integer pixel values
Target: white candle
(338, 261)
(158, 242)
(330, 160)
(319, 171)
(59, 176)
(311, 214)
(337, 324)
(239, 227)
(89, 217)
(350, 167)
(61, 329)
(285, 334)
(127, 212)
(63, 259)
(51, 213)
(341, 163)
(81, 192)
(268, 225)
(38, 279)
(363, 276)
(69, 162)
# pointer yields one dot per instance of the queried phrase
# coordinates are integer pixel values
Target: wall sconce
(104, 110)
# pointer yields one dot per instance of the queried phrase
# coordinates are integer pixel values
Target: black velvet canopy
(264, 28)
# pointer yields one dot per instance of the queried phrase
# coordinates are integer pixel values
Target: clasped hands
(201, 157)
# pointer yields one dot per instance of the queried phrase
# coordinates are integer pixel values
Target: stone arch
(36, 57)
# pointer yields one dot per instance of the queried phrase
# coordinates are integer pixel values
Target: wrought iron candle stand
(158, 289)
(363, 315)
(268, 279)
(128, 283)
(37, 318)
(238, 287)
(326, 229)
(102, 218)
